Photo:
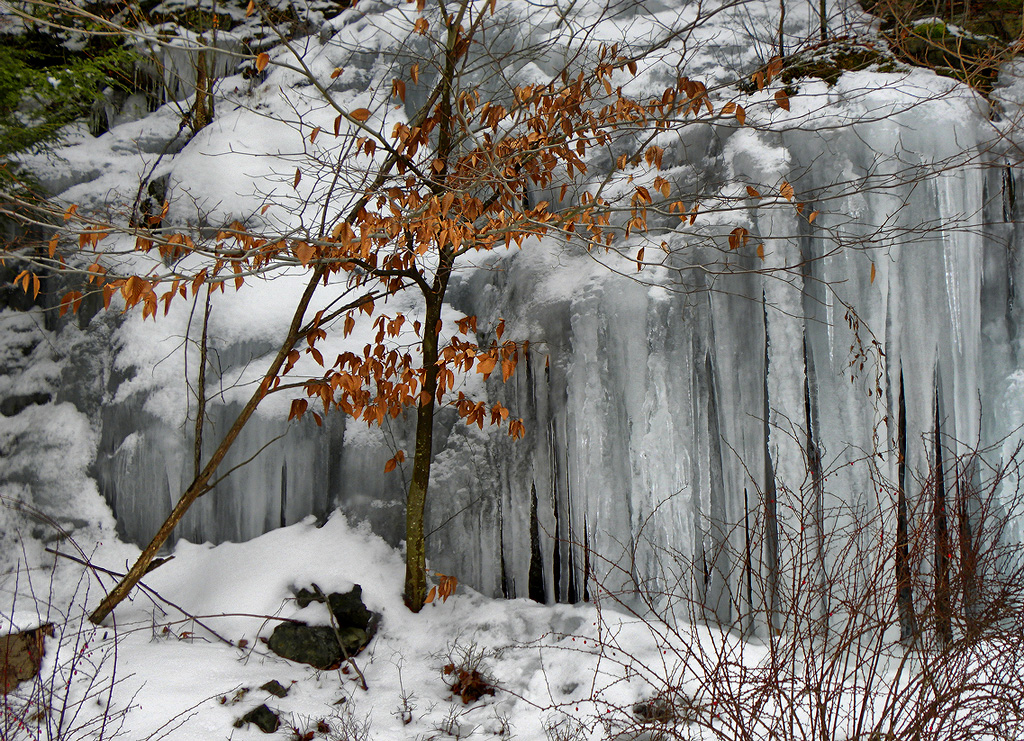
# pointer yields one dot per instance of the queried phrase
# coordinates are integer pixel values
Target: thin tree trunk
(415, 505)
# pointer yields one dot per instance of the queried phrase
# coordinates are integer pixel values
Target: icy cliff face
(693, 432)
(687, 426)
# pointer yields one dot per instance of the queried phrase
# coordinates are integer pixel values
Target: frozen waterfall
(844, 386)
(680, 433)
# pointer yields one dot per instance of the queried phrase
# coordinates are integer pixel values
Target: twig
(337, 634)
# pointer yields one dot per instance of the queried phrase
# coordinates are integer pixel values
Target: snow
(173, 679)
(673, 411)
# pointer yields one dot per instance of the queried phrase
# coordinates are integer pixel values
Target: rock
(21, 655)
(14, 405)
(275, 688)
(348, 608)
(317, 645)
(263, 718)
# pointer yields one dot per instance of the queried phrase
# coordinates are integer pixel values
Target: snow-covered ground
(186, 659)
(173, 678)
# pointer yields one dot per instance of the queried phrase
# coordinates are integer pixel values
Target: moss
(829, 62)
(921, 32)
(934, 30)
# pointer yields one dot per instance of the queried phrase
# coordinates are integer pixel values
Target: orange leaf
(392, 464)
(414, 73)
(250, 8)
(741, 115)
(753, 193)
(336, 73)
(787, 191)
(431, 594)
(262, 61)
(198, 281)
(485, 365)
(737, 238)
(298, 177)
(72, 301)
(760, 250)
(782, 99)
(304, 252)
(313, 133)
(360, 114)
(298, 409)
(872, 272)
(813, 215)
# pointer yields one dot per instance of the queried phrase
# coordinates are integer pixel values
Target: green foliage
(40, 93)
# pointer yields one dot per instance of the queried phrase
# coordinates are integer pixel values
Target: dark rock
(317, 645)
(667, 709)
(21, 655)
(263, 718)
(348, 608)
(275, 688)
(13, 405)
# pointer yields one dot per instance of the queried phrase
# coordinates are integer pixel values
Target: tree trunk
(415, 503)
(415, 539)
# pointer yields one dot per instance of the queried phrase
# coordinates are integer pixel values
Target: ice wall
(665, 418)
(688, 428)
(685, 436)
(661, 418)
